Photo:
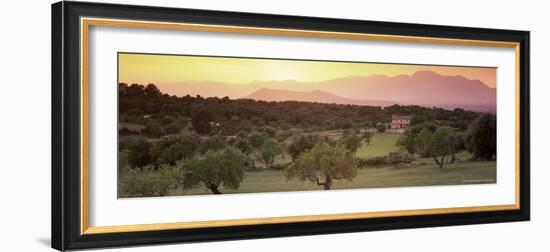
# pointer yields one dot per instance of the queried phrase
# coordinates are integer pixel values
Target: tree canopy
(269, 150)
(481, 137)
(381, 127)
(223, 167)
(367, 136)
(302, 143)
(141, 104)
(438, 145)
(147, 181)
(352, 142)
(323, 164)
(171, 149)
(201, 120)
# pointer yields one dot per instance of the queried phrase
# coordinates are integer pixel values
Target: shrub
(148, 182)
(214, 143)
(152, 129)
(396, 158)
(173, 148)
(393, 159)
(280, 167)
(126, 132)
(372, 162)
(172, 128)
(139, 152)
(381, 127)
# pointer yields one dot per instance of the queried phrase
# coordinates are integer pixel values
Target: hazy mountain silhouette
(422, 88)
(266, 94)
(425, 88)
(206, 89)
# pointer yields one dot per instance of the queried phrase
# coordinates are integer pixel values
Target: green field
(381, 144)
(422, 172)
(414, 175)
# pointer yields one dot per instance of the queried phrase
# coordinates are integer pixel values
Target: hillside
(266, 94)
(424, 88)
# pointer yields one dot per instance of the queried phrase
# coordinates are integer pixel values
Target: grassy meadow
(422, 172)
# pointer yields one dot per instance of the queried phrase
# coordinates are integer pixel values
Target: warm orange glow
(146, 68)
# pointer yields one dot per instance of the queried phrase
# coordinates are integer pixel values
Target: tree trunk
(326, 184)
(215, 190)
(441, 162)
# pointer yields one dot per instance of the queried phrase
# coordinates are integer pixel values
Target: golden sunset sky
(147, 68)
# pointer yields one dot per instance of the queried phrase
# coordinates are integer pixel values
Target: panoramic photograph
(205, 125)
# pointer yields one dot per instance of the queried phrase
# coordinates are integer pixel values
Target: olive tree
(422, 142)
(381, 127)
(171, 149)
(139, 152)
(407, 142)
(256, 140)
(201, 120)
(367, 136)
(324, 164)
(439, 145)
(352, 143)
(152, 129)
(214, 143)
(243, 146)
(268, 151)
(302, 143)
(481, 138)
(224, 167)
(148, 181)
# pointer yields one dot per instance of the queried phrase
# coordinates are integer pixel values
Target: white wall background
(25, 125)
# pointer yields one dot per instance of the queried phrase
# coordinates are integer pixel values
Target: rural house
(400, 122)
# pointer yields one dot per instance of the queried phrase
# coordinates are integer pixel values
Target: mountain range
(266, 94)
(424, 88)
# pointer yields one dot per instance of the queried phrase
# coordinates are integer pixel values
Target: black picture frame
(66, 125)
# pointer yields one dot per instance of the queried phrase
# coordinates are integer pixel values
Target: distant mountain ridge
(424, 88)
(266, 94)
